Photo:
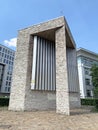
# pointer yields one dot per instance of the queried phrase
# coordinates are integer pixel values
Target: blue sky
(81, 15)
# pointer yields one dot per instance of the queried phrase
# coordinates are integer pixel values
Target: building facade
(45, 74)
(85, 60)
(6, 68)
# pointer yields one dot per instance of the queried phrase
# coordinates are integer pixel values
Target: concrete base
(74, 99)
(39, 100)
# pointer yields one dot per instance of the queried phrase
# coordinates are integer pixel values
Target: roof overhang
(47, 30)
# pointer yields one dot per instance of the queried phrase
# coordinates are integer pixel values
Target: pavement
(80, 119)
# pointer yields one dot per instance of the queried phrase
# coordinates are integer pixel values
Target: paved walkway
(80, 119)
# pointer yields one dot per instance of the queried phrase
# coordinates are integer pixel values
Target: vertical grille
(44, 65)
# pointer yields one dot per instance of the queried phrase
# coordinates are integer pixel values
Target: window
(1, 60)
(8, 89)
(2, 54)
(88, 93)
(9, 68)
(10, 57)
(7, 61)
(0, 48)
(87, 82)
(4, 61)
(5, 88)
(10, 78)
(6, 82)
(87, 71)
(8, 51)
(5, 55)
(3, 49)
(11, 53)
(9, 83)
(7, 78)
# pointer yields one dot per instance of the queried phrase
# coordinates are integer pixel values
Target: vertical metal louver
(44, 65)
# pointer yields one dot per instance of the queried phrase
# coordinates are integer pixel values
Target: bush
(96, 92)
(4, 101)
(90, 102)
(96, 104)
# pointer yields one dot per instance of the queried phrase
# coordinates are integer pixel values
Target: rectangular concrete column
(62, 92)
(19, 83)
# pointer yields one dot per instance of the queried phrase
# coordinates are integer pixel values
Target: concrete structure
(50, 44)
(85, 61)
(6, 68)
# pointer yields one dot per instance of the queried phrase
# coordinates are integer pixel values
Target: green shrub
(96, 104)
(4, 101)
(90, 102)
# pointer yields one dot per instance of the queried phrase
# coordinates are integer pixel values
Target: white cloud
(11, 42)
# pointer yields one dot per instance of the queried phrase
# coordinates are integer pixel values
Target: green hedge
(96, 104)
(4, 101)
(90, 102)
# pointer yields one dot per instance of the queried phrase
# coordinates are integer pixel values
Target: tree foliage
(94, 74)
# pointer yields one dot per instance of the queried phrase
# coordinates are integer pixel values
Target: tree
(94, 74)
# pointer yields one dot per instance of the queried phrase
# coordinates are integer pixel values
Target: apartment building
(85, 60)
(6, 68)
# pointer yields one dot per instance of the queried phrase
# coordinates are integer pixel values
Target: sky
(81, 15)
